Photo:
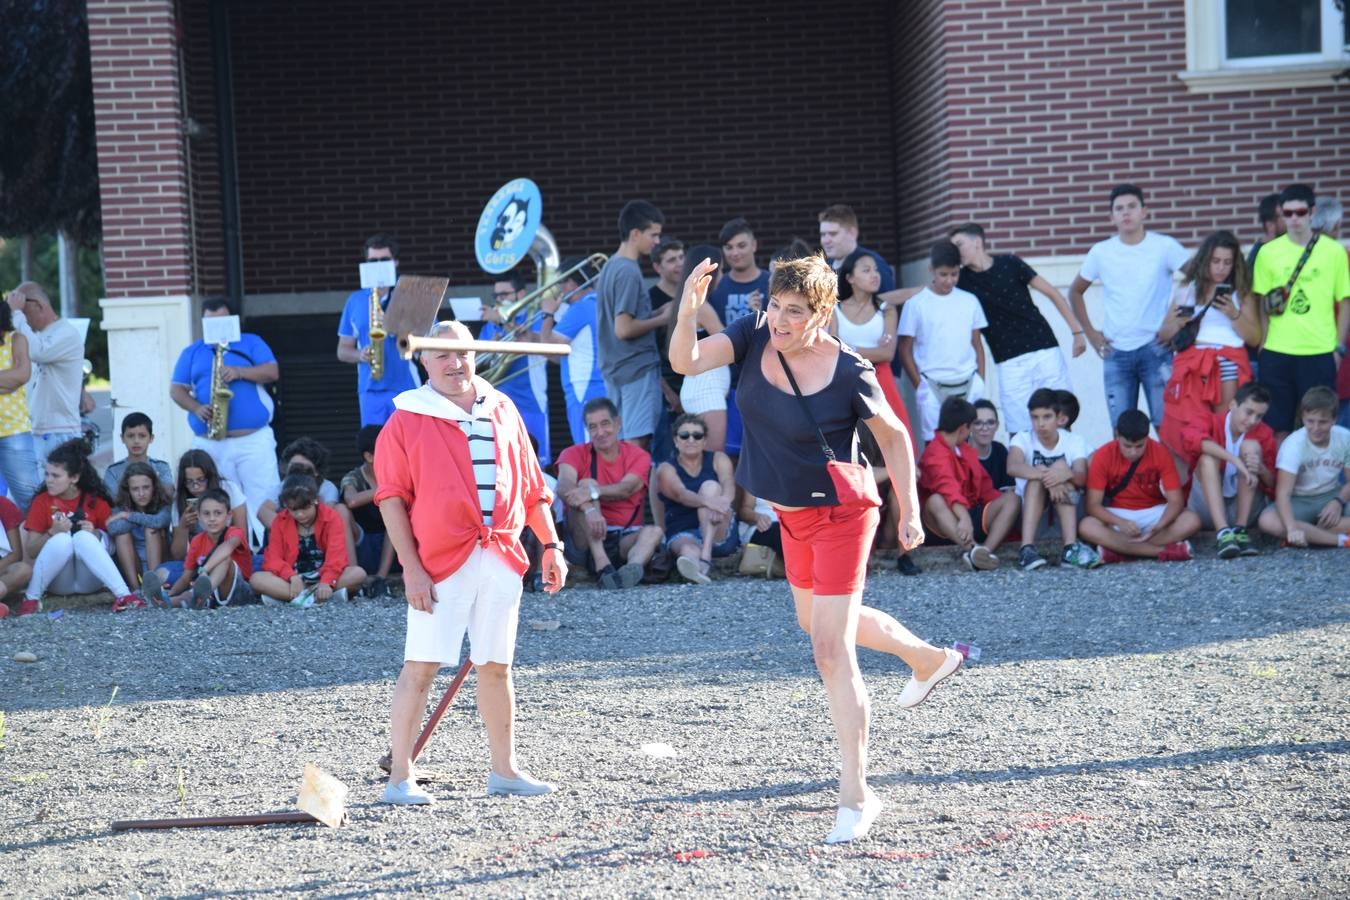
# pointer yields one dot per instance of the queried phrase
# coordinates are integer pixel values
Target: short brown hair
(840, 213)
(1319, 399)
(810, 276)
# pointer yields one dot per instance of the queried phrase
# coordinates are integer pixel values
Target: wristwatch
(595, 492)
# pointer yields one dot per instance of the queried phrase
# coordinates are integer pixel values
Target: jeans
(1343, 419)
(44, 444)
(18, 463)
(1125, 371)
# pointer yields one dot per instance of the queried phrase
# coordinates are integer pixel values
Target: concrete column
(145, 336)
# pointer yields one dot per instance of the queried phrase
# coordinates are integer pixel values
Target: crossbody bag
(853, 483)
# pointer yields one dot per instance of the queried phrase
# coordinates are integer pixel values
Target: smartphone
(192, 503)
(1187, 310)
(1224, 288)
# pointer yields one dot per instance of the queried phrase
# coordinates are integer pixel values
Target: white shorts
(1144, 518)
(706, 392)
(481, 598)
(1021, 376)
(929, 404)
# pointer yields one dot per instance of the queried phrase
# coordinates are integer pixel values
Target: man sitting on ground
(602, 485)
(1311, 505)
(1051, 467)
(960, 502)
(1134, 502)
(1232, 459)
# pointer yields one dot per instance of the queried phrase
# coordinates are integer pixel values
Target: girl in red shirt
(64, 533)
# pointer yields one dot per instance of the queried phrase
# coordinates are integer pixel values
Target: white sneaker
(521, 786)
(407, 793)
(853, 824)
(915, 691)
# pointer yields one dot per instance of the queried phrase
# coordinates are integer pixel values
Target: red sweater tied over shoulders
(283, 544)
(422, 458)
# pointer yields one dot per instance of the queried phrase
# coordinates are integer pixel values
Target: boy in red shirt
(219, 552)
(959, 500)
(1134, 501)
(1232, 460)
(306, 556)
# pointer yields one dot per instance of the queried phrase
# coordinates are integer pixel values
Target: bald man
(57, 352)
(457, 483)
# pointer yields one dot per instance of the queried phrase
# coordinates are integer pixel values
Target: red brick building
(249, 147)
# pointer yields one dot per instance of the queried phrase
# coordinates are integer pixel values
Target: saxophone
(377, 336)
(218, 427)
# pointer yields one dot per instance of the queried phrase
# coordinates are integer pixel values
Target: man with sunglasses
(376, 395)
(1306, 341)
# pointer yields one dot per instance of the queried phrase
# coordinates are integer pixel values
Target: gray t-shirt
(620, 289)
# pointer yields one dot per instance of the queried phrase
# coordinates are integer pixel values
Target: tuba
(377, 335)
(218, 427)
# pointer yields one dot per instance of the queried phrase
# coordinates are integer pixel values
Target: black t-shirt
(997, 466)
(1016, 326)
(781, 460)
(668, 375)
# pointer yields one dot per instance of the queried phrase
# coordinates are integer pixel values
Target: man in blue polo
(376, 395)
(247, 454)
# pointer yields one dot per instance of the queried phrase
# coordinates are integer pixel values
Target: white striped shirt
(477, 427)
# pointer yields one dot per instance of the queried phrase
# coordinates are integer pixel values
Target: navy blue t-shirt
(781, 460)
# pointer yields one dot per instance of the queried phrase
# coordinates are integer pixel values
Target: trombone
(493, 366)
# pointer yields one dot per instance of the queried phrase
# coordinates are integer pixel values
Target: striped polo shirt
(477, 427)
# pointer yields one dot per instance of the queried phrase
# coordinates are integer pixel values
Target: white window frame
(1208, 70)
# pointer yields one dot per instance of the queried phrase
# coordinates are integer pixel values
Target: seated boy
(993, 455)
(602, 485)
(1313, 478)
(374, 552)
(306, 456)
(217, 566)
(1134, 502)
(138, 433)
(306, 556)
(1232, 459)
(960, 502)
(1067, 405)
(1050, 465)
(940, 345)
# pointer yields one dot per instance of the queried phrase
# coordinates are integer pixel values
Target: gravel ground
(1144, 729)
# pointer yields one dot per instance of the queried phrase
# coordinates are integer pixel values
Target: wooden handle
(412, 343)
(213, 821)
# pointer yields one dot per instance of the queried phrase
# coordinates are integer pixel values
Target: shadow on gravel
(1015, 773)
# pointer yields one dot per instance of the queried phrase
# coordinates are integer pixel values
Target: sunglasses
(988, 423)
(690, 435)
(1296, 213)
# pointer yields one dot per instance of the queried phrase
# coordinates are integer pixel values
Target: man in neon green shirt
(1306, 343)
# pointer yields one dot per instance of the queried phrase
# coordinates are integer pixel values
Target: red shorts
(825, 548)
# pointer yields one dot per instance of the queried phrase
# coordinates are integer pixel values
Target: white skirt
(706, 392)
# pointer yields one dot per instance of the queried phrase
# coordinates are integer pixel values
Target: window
(1238, 45)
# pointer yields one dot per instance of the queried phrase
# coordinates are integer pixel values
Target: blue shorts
(726, 548)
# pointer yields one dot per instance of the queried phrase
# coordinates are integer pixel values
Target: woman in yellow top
(18, 463)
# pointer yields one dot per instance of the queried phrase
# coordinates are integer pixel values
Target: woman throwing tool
(806, 391)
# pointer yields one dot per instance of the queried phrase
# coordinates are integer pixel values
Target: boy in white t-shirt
(1135, 268)
(1050, 465)
(1311, 507)
(940, 345)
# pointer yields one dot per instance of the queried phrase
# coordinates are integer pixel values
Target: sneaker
(1178, 552)
(129, 601)
(982, 558)
(271, 601)
(30, 607)
(630, 574)
(339, 596)
(152, 589)
(853, 824)
(1228, 544)
(1244, 542)
(970, 563)
(1107, 555)
(202, 589)
(693, 570)
(522, 785)
(608, 578)
(907, 566)
(1028, 560)
(407, 793)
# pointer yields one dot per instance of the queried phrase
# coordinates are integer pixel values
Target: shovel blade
(412, 309)
(322, 796)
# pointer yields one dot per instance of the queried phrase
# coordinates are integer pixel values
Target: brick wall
(922, 142)
(1050, 104)
(355, 118)
(208, 242)
(142, 179)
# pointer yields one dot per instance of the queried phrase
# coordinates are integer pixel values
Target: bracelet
(1340, 348)
(546, 315)
(554, 545)
(1077, 332)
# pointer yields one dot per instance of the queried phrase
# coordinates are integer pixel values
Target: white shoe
(915, 691)
(852, 824)
(523, 785)
(407, 793)
(982, 558)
